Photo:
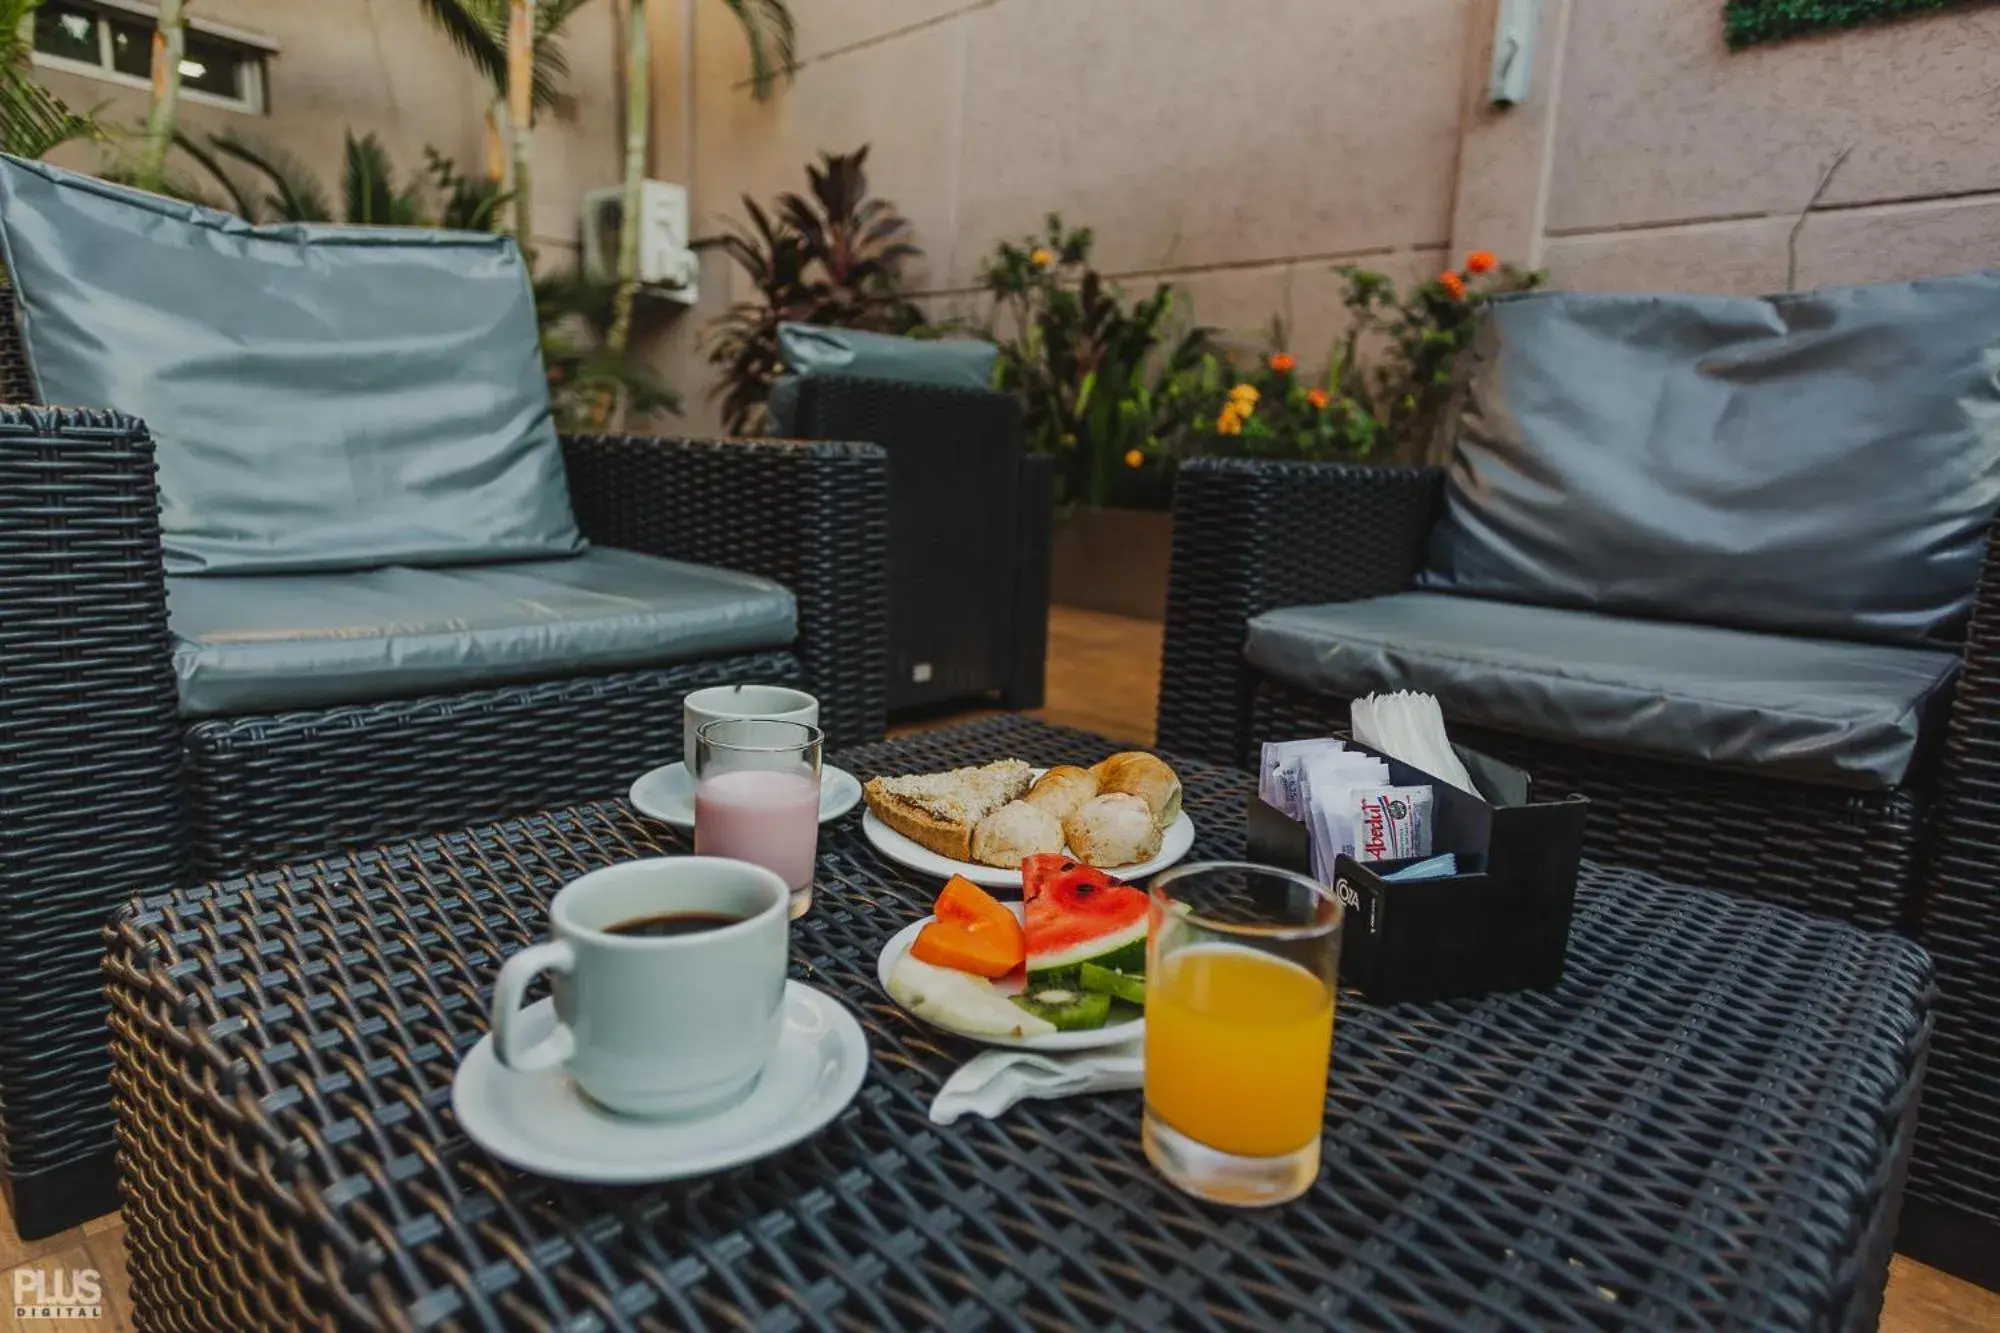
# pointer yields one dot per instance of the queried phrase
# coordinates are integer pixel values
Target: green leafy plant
(1751, 21)
(1104, 385)
(585, 373)
(283, 189)
(832, 256)
(33, 120)
(1353, 410)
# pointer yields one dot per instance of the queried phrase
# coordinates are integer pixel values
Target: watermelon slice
(1077, 914)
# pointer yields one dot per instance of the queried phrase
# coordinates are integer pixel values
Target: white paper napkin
(991, 1082)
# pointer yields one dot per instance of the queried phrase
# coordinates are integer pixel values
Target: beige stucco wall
(1663, 160)
(379, 66)
(1244, 148)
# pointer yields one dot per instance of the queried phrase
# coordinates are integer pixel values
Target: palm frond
(369, 183)
(33, 120)
(470, 26)
(767, 25)
(296, 194)
(241, 203)
(478, 28)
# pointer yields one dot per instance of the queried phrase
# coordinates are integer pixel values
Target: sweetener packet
(1281, 778)
(1392, 823)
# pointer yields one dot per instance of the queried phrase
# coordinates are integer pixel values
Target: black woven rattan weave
(969, 534)
(90, 761)
(1958, 1145)
(1703, 1127)
(814, 516)
(386, 771)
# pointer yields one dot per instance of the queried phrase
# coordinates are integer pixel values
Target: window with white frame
(113, 40)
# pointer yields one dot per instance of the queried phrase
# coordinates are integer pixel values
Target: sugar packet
(1393, 824)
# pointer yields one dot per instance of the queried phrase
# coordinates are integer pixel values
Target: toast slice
(938, 811)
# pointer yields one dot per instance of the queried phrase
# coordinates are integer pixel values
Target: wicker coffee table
(1705, 1126)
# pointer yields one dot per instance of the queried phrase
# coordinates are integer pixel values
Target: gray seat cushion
(253, 644)
(323, 397)
(1825, 463)
(954, 363)
(1810, 710)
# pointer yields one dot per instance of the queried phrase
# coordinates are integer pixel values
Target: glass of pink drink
(756, 797)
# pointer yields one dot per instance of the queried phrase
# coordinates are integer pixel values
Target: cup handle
(515, 974)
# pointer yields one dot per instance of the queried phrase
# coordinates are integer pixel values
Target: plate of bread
(1123, 814)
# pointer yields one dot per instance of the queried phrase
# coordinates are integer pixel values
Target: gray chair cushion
(952, 363)
(323, 397)
(1819, 711)
(1825, 463)
(254, 644)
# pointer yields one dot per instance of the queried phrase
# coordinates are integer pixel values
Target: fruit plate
(1175, 843)
(1111, 1034)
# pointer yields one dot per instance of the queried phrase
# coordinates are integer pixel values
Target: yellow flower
(1133, 458)
(1229, 423)
(1245, 394)
(1042, 257)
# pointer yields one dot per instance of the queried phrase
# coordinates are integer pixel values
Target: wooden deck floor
(1103, 677)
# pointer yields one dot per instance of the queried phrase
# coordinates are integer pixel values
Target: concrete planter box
(1113, 560)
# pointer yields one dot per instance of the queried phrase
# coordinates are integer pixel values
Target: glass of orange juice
(1241, 967)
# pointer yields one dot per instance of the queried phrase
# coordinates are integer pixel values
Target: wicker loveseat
(1261, 547)
(161, 728)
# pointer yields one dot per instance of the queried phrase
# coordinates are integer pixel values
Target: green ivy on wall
(1751, 21)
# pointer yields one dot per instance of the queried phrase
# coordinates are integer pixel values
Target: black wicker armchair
(1252, 536)
(105, 790)
(972, 517)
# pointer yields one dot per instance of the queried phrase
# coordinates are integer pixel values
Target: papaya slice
(965, 903)
(974, 932)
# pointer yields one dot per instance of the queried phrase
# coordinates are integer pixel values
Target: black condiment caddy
(1500, 924)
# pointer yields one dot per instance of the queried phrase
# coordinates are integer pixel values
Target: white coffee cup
(656, 1025)
(779, 702)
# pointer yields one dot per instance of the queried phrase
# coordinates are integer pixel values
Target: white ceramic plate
(542, 1123)
(667, 795)
(1175, 843)
(1089, 1040)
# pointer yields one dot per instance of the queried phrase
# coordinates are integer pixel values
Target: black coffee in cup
(673, 923)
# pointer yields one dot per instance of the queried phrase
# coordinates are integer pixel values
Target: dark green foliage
(584, 376)
(1750, 21)
(834, 258)
(1101, 380)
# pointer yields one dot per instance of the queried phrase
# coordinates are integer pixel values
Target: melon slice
(1077, 914)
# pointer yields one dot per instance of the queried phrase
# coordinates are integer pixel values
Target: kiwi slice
(1069, 1010)
(1108, 981)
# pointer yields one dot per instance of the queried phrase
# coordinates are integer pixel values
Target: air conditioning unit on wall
(667, 267)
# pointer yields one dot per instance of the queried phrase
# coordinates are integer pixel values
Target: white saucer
(1087, 1040)
(1175, 843)
(542, 1123)
(667, 795)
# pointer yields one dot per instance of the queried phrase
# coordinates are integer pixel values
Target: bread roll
(1062, 791)
(1145, 776)
(1015, 832)
(1113, 830)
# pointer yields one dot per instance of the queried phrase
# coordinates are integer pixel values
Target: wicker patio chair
(972, 517)
(1251, 536)
(104, 790)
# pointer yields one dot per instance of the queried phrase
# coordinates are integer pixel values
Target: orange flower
(1481, 261)
(1454, 286)
(1282, 364)
(1133, 458)
(1318, 399)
